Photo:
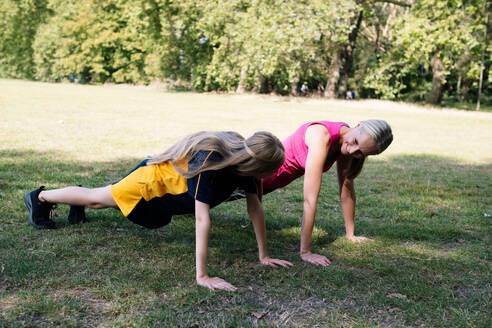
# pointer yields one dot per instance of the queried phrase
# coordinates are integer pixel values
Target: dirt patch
(7, 303)
(95, 304)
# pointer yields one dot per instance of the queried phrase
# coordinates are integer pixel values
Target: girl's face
(358, 144)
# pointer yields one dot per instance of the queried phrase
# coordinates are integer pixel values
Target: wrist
(303, 252)
(201, 276)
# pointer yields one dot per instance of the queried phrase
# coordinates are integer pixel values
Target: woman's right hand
(215, 283)
(315, 259)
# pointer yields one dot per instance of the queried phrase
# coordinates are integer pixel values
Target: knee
(96, 205)
(100, 198)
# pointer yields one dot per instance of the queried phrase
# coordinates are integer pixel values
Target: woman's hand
(215, 283)
(359, 239)
(275, 262)
(315, 259)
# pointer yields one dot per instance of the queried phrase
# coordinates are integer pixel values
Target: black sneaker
(76, 215)
(39, 212)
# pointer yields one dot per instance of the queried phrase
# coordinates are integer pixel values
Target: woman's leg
(80, 196)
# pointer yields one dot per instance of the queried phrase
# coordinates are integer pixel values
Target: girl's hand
(215, 283)
(315, 259)
(274, 262)
(359, 239)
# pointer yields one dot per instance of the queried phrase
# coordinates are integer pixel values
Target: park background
(415, 50)
(426, 200)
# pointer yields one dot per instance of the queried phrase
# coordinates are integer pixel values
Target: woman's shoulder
(317, 133)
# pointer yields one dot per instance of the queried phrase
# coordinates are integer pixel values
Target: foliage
(449, 30)
(19, 21)
(383, 49)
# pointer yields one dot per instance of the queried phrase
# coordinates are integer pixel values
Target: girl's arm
(346, 190)
(255, 211)
(317, 139)
(202, 215)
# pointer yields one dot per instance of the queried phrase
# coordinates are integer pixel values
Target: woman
(312, 150)
(196, 174)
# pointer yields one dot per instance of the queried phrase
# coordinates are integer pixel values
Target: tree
(17, 36)
(432, 37)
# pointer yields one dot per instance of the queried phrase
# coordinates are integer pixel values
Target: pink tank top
(296, 153)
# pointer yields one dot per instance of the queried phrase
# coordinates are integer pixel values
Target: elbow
(202, 221)
(254, 206)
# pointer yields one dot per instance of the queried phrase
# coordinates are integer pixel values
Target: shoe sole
(27, 201)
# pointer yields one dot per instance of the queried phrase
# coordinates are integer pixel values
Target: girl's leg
(80, 196)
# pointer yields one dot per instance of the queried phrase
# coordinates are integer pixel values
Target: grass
(426, 202)
(470, 106)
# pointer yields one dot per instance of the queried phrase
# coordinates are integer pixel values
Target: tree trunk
(435, 95)
(480, 81)
(348, 56)
(343, 86)
(242, 81)
(458, 88)
(293, 86)
(264, 88)
(334, 75)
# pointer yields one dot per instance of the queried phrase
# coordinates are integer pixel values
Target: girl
(195, 174)
(312, 150)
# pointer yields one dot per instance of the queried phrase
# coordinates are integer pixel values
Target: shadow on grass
(23, 171)
(406, 198)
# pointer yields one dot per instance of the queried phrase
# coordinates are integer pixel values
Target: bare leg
(91, 197)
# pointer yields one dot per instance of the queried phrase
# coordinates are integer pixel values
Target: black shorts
(152, 214)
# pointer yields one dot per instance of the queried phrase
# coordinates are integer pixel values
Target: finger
(321, 260)
(324, 261)
(283, 263)
(232, 288)
(228, 286)
(224, 285)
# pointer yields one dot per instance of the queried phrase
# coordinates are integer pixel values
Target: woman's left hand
(275, 262)
(359, 239)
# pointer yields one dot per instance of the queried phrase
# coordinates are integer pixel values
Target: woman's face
(358, 144)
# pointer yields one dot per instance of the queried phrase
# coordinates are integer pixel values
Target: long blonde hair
(380, 132)
(262, 152)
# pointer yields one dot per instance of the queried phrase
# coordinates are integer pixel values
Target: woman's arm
(255, 211)
(202, 215)
(346, 190)
(317, 139)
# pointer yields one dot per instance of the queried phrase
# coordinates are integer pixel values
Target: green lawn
(426, 201)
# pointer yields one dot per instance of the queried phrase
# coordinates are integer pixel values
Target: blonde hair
(260, 153)
(380, 132)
